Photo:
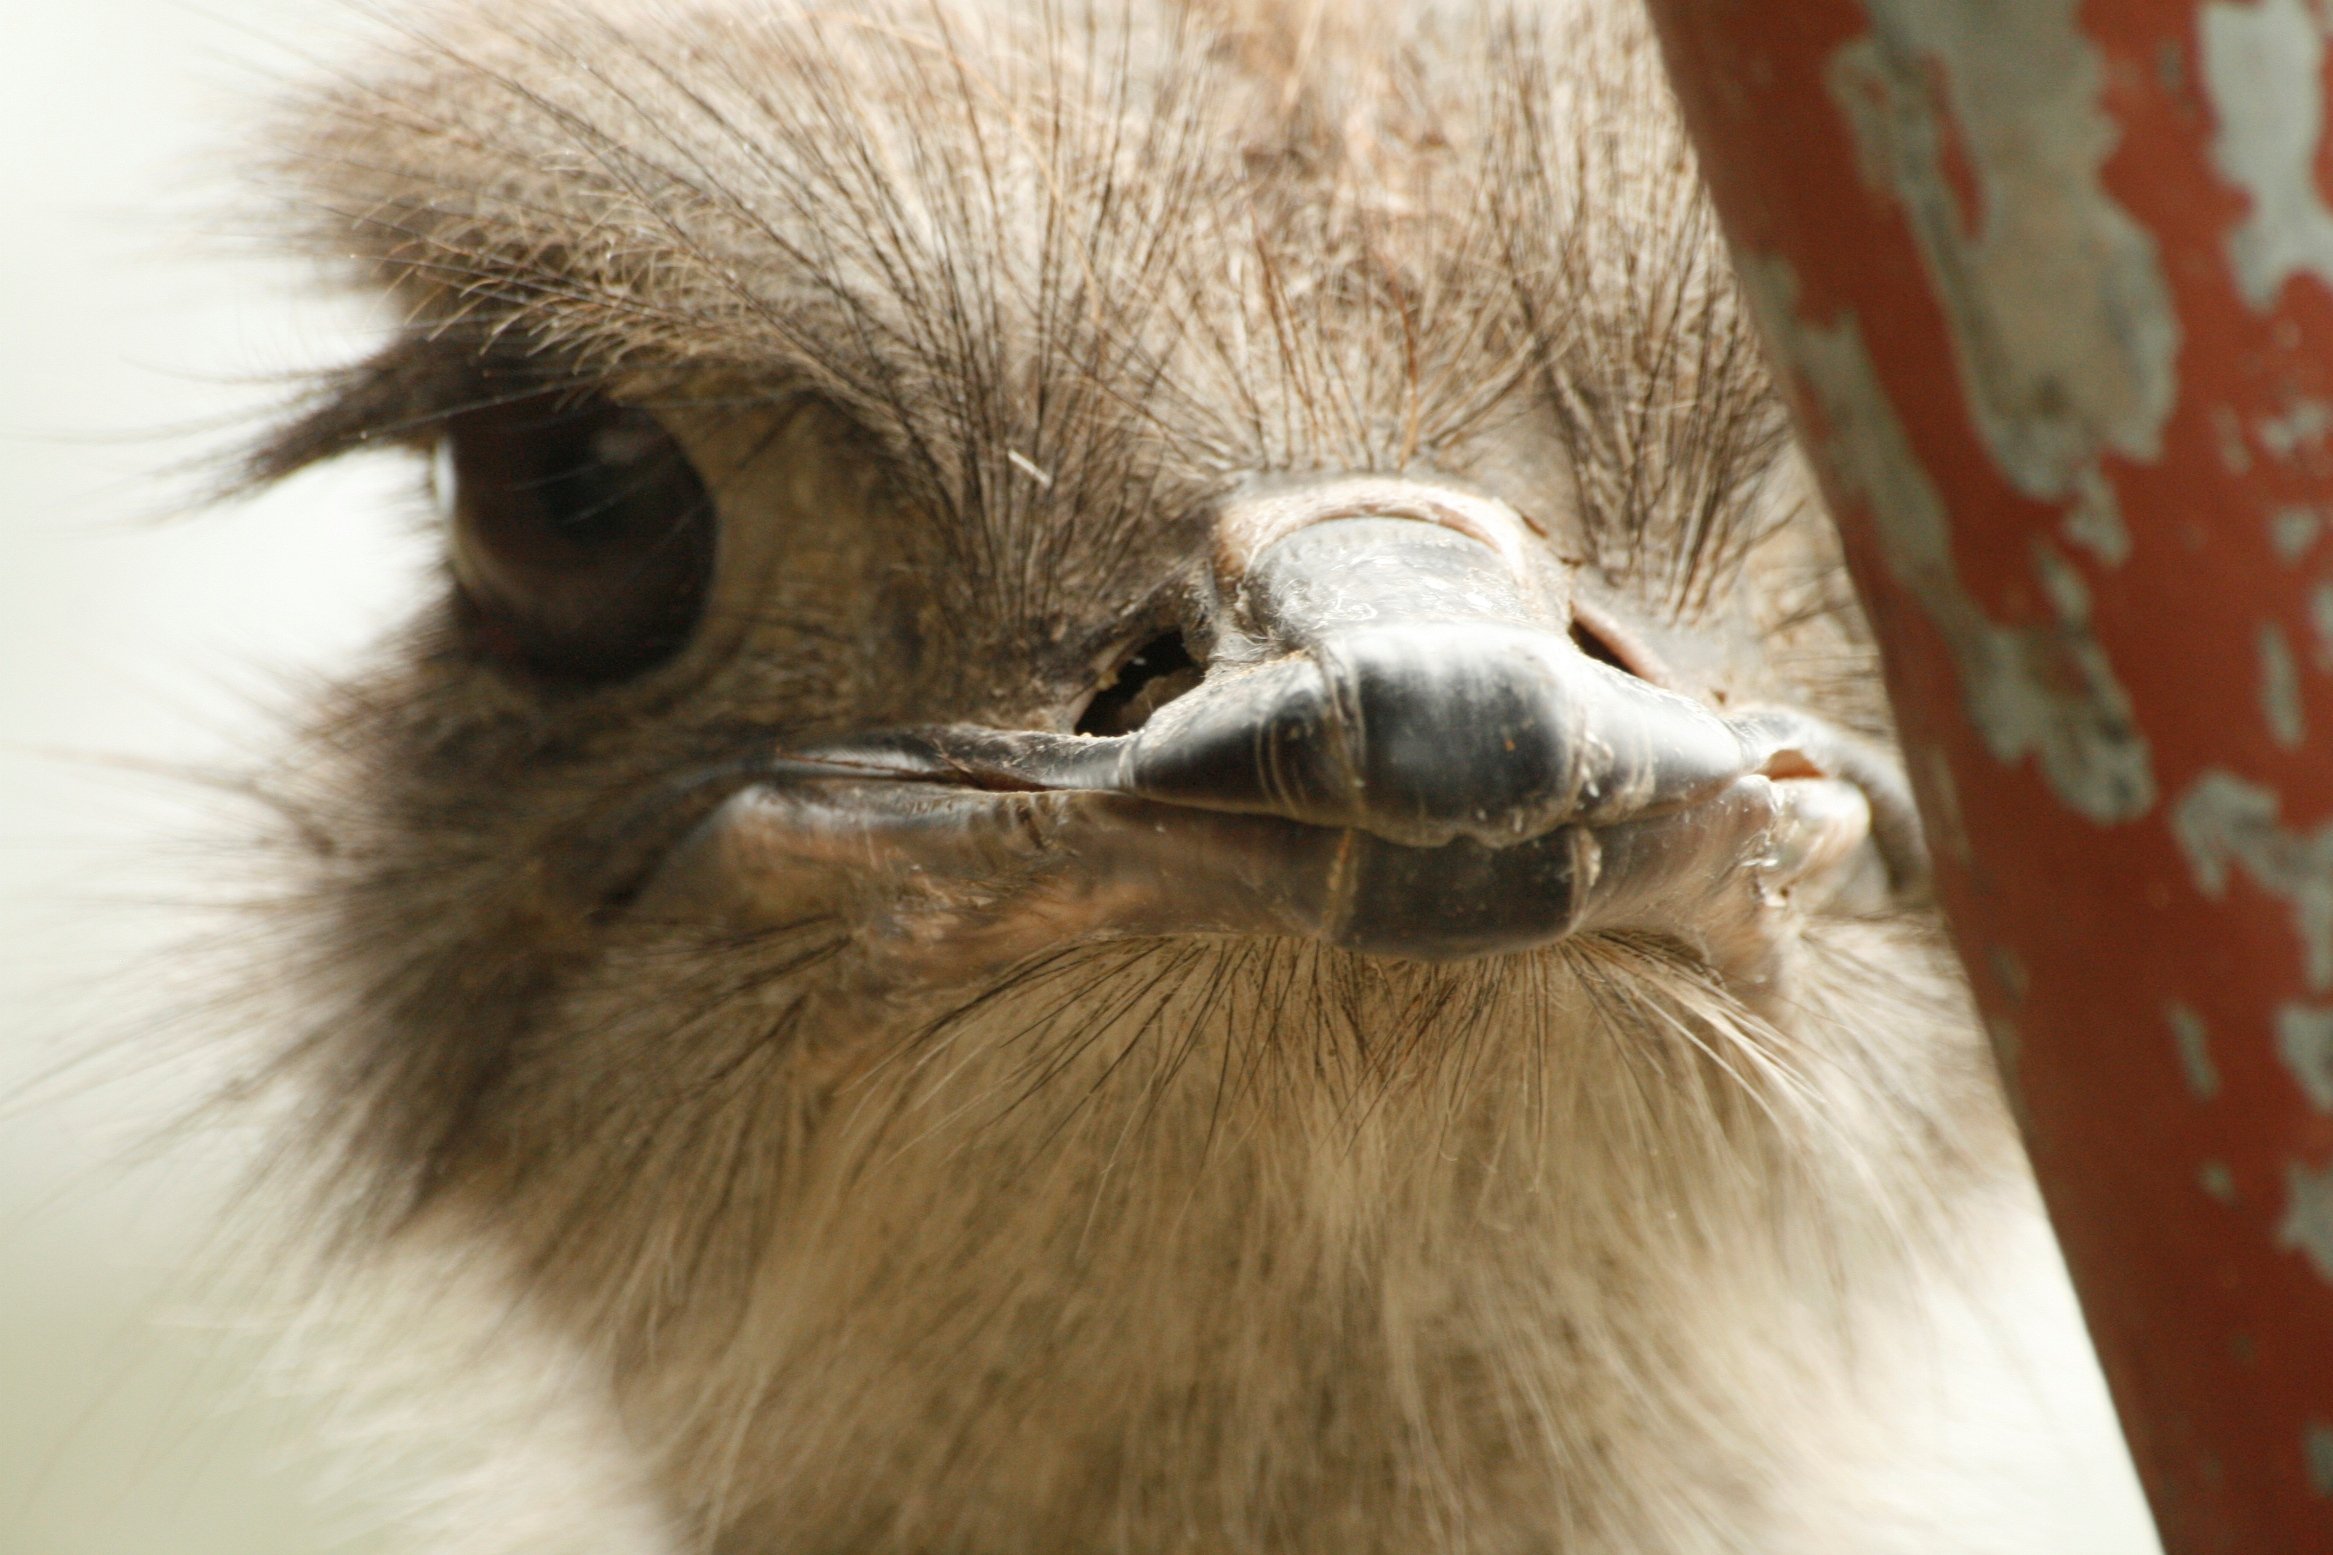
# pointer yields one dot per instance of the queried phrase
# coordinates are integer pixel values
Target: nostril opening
(1790, 763)
(1592, 643)
(1607, 641)
(1148, 678)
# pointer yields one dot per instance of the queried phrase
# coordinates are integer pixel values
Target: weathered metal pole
(2051, 285)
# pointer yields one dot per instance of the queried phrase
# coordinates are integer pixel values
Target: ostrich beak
(1397, 748)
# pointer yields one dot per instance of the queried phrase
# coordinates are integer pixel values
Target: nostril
(1590, 642)
(1790, 763)
(1148, 678)
(1605, 640)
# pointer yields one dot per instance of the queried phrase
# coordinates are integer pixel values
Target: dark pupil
(586, 501)
(584, 540)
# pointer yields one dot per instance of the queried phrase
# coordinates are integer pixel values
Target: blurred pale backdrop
(137, 1416)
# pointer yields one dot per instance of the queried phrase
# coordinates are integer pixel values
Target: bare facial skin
(1143, 813)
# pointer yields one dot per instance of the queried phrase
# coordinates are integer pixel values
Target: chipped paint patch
(2308, 1217)
(2094, 522)
(2294, 531)
(2045, 691)
(2218, 1181)
(2263, 68)
(2304, 1040)
(2321, 619)
(2304, 424)
(2230, 432)
(2188, 1030)
(2223, 822)
(2063, 325)
(2317, 1455)
(2280, 689)
(1947, 823)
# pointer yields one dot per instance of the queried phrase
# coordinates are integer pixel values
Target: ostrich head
(1142, 811)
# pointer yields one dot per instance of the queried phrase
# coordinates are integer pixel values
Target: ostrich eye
(583, 540)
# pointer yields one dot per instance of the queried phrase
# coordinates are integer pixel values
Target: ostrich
(1143, 812)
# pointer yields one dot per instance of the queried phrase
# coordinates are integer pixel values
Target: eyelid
(399, 398)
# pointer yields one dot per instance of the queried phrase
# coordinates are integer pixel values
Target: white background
(138, 1411)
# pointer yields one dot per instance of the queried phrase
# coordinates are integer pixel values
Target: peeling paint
(2222, 820)
(2304, 424)
(2095, 523)
(1941, 809)
(2304, 1039)
(2321, 618)
(2308, 1217)
(2294, 531)
(2317, 1454)
(2263, 68)
(2063, 324)
(2280, 689)
(2234, 453)
(2194, 1039)
(2046, 691)
(2218, 1181)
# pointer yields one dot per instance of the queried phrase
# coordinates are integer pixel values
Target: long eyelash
(396, 399)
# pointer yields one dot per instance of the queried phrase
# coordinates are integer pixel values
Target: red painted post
(2051, 285)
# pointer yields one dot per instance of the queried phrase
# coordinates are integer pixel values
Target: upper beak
(1397, 747)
